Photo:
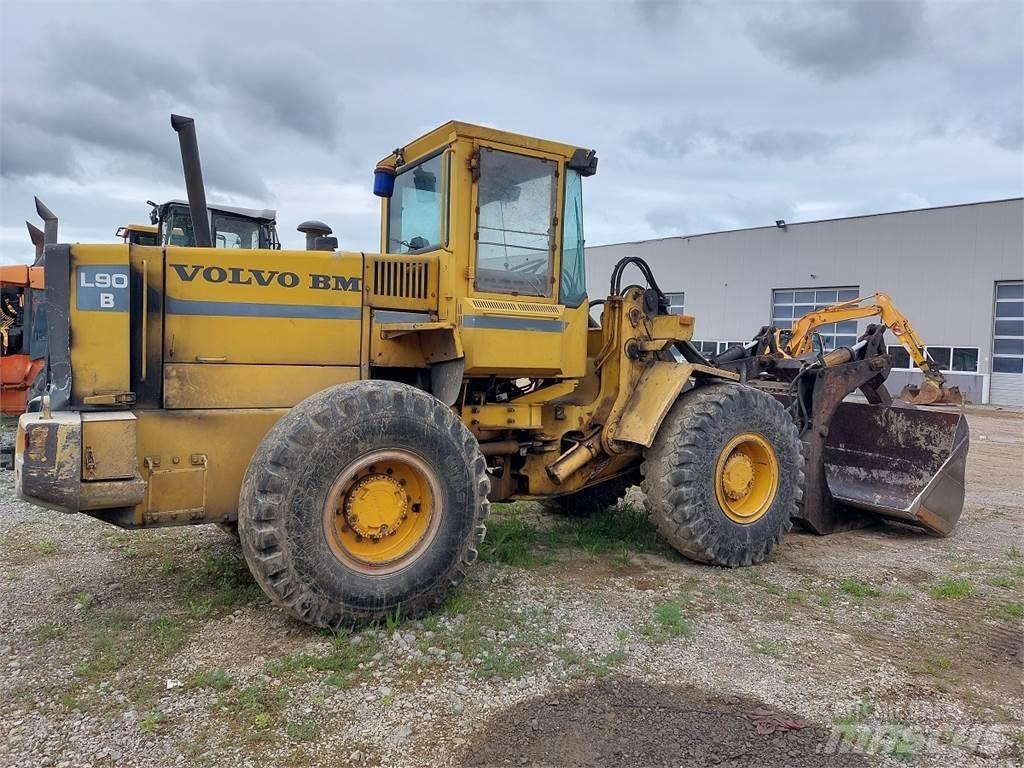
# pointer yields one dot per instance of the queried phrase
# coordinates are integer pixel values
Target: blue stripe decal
(513, 323)
(386, 316)
(246, 309)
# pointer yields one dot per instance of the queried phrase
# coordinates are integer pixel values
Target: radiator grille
(401, 279)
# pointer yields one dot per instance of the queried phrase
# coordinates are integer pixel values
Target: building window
(790, 304)
(675, 303)
(712, 348)
(1008, 336)
(955, 359)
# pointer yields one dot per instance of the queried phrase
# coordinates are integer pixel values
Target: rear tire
(364, 500)
(724, 476)
(596, 498)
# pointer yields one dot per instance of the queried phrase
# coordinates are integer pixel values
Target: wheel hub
(376, 506)
(738, 476)
(746, 477)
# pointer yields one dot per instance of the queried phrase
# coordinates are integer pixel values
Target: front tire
(364, 500)
(725, 475)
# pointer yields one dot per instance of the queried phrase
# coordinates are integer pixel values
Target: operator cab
(232, 227)
(527, 208)
(502, 215)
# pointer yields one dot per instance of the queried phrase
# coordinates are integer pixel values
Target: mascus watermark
(925, 730)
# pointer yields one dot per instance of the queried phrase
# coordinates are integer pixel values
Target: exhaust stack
(185, 127)
(49, 222)
(317, 236)
(38, 238)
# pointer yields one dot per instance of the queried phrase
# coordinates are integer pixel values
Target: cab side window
(572, 289)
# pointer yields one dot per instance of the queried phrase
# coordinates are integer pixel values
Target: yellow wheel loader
(355, 413)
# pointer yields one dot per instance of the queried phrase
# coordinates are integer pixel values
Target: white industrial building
(956, 271)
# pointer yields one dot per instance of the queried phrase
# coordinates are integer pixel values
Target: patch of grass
(301, 730)
(622, 558)
(668, 622)
(771, 648)
(217, 679)
(903, 744)
(46, 547)
(110, 647)
(607, 663)
(220, 583)
(85, 600)
(341, 661)
(255, 703)
(860, 712)
(151, 721)
(1014, 552)
(1003, 582)
(951, 589)
(609, 531)
(461, 601)
(726, 594)
(758, 580)
(858, 589)
(617, 532)
(938, 668)
(1012, 612)
(44, 632)
(509, 540)
(165, 635)
(501, 665)
(796, 597)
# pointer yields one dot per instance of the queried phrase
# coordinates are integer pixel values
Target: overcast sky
(705, 116)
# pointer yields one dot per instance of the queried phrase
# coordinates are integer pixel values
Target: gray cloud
(681, 139)
(841, 39)
(789, 144)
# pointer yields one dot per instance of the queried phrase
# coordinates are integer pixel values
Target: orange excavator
(22, 326)
(932, 391)
(799, 343)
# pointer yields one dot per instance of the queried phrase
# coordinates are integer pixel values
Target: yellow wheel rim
(382, 511)
(746, 478)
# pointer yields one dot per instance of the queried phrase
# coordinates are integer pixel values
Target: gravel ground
(876, 647)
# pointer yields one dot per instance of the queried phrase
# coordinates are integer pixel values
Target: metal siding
(1007, 389)
(938, 264)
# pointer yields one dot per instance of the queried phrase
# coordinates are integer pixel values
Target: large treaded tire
(595, 499)
(286, 487)
(680, 474)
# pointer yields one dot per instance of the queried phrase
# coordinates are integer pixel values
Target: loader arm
(882, 306)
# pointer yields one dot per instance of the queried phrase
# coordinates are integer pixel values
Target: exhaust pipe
(49, 222)
(38, 238)
(185, 127)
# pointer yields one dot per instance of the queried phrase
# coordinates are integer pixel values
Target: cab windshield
(416, 211)
(515, 223)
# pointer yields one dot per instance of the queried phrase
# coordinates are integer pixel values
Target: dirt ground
(574, 643)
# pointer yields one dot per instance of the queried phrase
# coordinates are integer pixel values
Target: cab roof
(454, 129)
(261, 214)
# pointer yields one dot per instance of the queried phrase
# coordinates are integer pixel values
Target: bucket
(900, 462)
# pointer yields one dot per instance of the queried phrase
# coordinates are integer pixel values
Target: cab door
(513, 322)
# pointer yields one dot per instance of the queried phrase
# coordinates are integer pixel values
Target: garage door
(1008, 345)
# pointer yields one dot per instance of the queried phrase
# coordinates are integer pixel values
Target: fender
(655, 393)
